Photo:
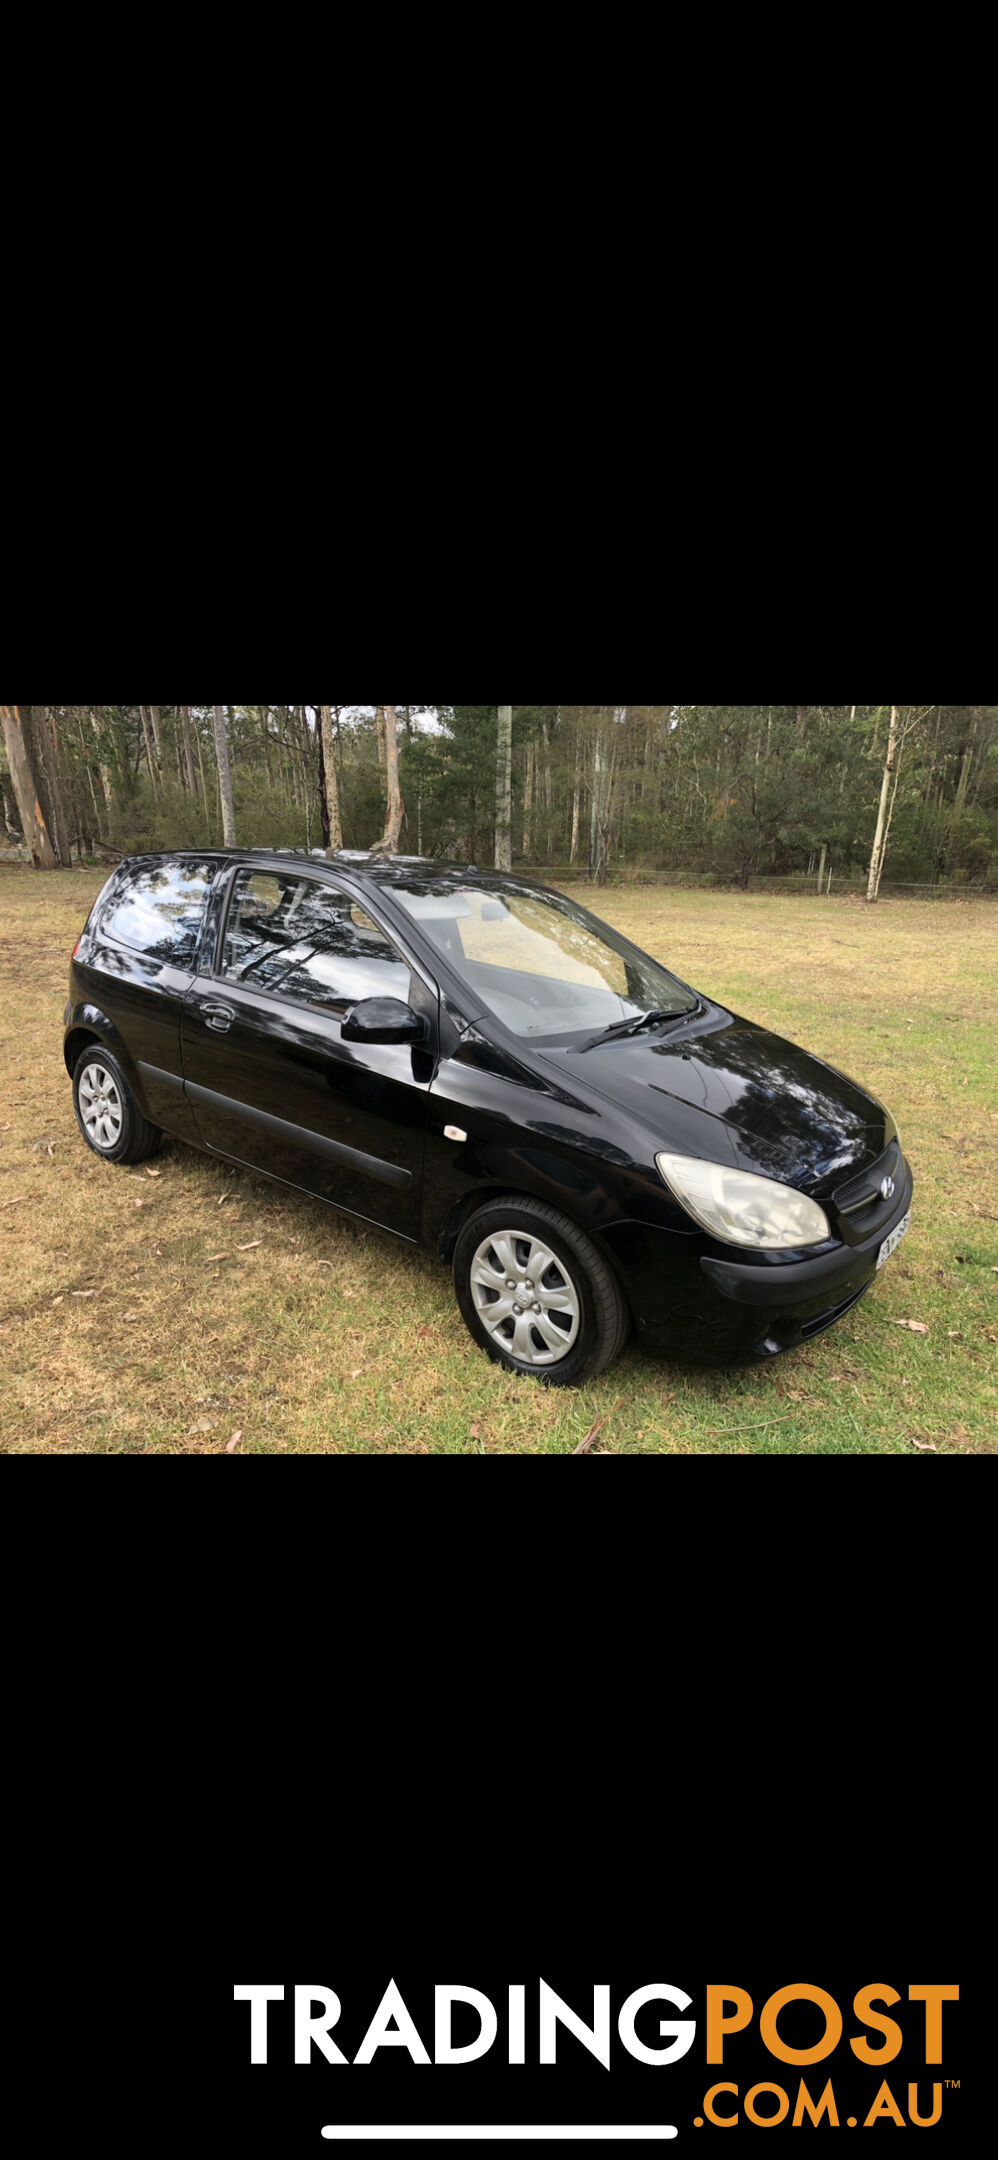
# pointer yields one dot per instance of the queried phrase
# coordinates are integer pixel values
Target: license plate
(891, 1243)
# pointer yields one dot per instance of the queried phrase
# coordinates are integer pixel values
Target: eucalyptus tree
(224, 776)
(504, 789)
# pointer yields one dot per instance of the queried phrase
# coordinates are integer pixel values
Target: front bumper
(691, 1299)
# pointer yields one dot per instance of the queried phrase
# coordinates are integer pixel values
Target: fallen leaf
(58, 1300)
(83, 1293)
(250, 1248)
(131, 1316)
(202, 1424)
(153, 1173)
(213, 1255)
(917, 1327)
(234, 1442)
(139, 1203)
(424, 1331)
(927, 1445)
(476, 1432)
(586, 1443)
(955, 1334)
(356, 1373)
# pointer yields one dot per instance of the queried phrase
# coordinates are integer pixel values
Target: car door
(140, 964)
(270, 1079)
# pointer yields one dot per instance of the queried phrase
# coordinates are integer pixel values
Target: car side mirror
(382, 1020)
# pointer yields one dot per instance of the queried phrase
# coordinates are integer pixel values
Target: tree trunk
(90, 774)
(603, 778)
(264, 711)
(104, 770)
(393, 822)
(50, 760)
(157, 734)
(961, 786)
(224, 777)
(150, 756)
(204, 783)
(504, 790)
(879, 838)
(323, 797)
(528, 802)
(379, 714)
(821, 865)
(192, 778)
(648, 776)
(575, 799)
(28, 787)
(335, 839)
(9, 808)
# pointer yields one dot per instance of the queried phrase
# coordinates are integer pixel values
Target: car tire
(573, 1292)
(106, 1110)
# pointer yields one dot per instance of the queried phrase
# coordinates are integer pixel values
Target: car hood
(719, 1087)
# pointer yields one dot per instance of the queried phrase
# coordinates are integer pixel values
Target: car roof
(382, 870)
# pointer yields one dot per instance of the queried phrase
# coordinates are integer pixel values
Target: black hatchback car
(479, 1065)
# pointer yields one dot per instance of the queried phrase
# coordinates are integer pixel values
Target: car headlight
(740, 1208)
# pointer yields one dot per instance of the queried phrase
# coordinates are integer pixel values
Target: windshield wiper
(653, 1018)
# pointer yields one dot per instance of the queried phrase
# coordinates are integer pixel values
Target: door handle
(218, 1017)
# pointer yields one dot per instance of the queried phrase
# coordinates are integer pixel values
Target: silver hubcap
(100, 1106)
(525, 1296)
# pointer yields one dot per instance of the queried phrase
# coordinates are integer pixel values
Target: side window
(301, 939)
(160, 912)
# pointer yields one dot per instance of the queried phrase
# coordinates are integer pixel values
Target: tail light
(76, 947)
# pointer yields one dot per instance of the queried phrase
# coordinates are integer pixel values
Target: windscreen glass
(545, 967)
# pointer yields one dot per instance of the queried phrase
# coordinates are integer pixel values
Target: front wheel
(536, 1294)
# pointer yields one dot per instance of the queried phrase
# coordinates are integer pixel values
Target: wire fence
(795, 884)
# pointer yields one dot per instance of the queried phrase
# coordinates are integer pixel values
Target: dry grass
(121, 1333)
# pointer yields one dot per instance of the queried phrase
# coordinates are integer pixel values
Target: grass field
(123, 1331)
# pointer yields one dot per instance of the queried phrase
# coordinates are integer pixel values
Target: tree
(504, 790)
(605, 756)
(224, 777)
(728, 792)
(27, 774)
(393, 821)
(897, 736)
(151, 760)
(332, 790)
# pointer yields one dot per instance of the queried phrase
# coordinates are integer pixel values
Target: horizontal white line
(500, 2130)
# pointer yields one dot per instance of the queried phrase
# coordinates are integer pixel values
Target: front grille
(859, 1203)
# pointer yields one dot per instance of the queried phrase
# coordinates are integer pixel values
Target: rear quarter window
(160, 912)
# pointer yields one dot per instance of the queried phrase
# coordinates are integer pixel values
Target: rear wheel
(536, 1293)
(106, 1110)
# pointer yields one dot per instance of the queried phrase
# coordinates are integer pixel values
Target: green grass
(121, 1333)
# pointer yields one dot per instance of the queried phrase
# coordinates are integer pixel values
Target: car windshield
(545, 967)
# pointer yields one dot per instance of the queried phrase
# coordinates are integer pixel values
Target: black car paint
(361, 1125)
